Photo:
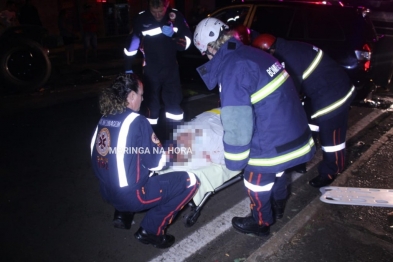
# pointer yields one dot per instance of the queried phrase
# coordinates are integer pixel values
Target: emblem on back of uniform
(103, 141)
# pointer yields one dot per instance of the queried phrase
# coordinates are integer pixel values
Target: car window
(277, 21)
(233, 16)
(323, 26)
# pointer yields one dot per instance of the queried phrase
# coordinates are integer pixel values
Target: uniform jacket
(124, 152)
(159, 49)
(265, 127)
(317, 76)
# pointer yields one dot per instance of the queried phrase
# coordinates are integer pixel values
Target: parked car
(24, 62)
(344, 32)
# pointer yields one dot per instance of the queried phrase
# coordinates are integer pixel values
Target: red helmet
(244, 34)
(264, 41)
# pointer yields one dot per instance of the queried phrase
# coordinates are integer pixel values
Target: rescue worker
(125, 152)
(159, 33)
(329, 93)
(259, 105)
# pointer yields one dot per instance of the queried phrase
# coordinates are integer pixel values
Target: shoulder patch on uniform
(155, 139)
(103, 141)
(172, 16)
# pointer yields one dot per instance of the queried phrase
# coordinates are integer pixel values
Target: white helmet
(208, 30)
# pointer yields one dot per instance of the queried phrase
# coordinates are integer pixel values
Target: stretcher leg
(190, 218)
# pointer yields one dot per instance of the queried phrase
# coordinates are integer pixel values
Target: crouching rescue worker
(159, 33)
(265, 127)
(328, 94)
(125, 152)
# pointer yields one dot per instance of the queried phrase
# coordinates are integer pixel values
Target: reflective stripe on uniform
(152, 32)
(280, 174)
(284, 158)
(173, 116)
(255, 188)
(130, 53)
(152, 121)
(121, 145)
(237, 157)
(313, 65)
(156, 31)
(330, 149)
(188, 42)
(335, 105)
(270, 87)
(314, 128)
(192, 179)
(93, 140)
(161, 163)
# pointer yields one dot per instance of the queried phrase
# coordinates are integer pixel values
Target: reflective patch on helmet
(103, 142)
(211, 34)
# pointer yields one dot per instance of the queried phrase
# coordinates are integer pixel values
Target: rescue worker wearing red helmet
(328, 93)
(159, 33)
(259, 104)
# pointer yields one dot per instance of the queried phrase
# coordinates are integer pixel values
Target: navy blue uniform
(328, 92)
(161, 72)
(265, 127)
(125, 152)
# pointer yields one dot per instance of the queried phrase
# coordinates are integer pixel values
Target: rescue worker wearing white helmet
(265, 127)
(328, 94)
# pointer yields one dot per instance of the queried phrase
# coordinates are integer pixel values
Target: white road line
(203, 236)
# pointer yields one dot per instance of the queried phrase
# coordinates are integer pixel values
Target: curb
(275, 243)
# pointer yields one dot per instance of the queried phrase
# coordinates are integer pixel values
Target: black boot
(248, 225)
(321, 181)
(122, 220)
(163, 241)
(300, 168)
(278, 207)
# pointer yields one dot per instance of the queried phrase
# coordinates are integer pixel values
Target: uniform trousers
(261, 188)
(162, 82)
(163, 196)
(332, 137)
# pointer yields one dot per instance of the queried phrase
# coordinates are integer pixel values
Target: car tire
(24, 65)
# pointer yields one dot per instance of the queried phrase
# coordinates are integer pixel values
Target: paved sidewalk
(328, 232)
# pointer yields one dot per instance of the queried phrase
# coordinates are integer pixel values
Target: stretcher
(213, 178)
(357, 196)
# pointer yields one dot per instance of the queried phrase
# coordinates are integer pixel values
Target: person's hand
(182, 42)
(168, 30)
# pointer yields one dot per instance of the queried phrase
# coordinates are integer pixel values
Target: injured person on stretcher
(197, 147)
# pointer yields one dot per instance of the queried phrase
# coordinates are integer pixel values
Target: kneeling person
(125, 152)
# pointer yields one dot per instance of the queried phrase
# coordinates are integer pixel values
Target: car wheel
(24, 65)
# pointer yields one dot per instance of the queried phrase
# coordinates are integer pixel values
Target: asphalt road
(52, 209)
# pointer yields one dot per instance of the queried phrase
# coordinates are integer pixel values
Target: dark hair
(158, 3)
(113, 99)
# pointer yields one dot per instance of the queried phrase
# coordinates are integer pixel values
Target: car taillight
(364, 56)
